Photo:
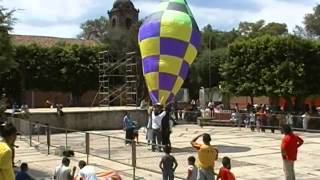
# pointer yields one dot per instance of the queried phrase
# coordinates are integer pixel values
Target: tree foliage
(70, 68)
(96, 29)
(6, 50)
(312, 22)
(119, 39)
(259, 28)
(273, 66)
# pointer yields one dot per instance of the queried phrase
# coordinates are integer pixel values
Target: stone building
(123, 14)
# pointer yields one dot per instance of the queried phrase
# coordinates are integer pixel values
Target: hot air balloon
(169, 41)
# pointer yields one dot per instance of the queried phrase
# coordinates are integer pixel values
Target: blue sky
(62, 18)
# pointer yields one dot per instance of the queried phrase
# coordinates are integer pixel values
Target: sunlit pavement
(254, 155)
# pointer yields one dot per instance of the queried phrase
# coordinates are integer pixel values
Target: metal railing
(310, 123)
(54, 140)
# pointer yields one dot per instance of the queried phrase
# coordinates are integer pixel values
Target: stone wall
(90, 120)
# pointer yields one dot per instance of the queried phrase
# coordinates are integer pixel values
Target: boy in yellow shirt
(207, 155)
(9, 134)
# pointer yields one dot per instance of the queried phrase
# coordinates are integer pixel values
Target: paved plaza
(254, 155)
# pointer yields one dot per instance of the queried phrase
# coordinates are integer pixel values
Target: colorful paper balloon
(169, 41)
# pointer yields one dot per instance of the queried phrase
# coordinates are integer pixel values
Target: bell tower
(123, 14)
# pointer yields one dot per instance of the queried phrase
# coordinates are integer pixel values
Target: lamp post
(210, 92)
(210, 37)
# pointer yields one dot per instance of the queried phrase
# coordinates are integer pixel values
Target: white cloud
(291, 13)
(61, 17)
(282, 11)
(66, 31)
(51, 10)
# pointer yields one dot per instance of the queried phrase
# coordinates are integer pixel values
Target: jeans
(167, 175)
(288, 168)
(156, 139)
(205, 174)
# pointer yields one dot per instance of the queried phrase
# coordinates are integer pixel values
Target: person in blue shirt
(128, 126)
(23, 175)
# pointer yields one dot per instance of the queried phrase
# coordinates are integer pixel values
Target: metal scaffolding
(118, 79)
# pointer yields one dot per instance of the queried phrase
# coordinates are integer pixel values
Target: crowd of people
(158, 135)
(202, 167)
(158, 128)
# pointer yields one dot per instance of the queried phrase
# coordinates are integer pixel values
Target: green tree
(249, 29)
(213, 39)
(67, 68)
(312, 22)
(6, 50)
(96, 29)
(207, 67)
(272, 66)
(259, 28)
(275, 29)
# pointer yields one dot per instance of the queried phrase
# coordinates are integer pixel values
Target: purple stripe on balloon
(184, 70)
(166, 81)
(195, 38)
(173, 47)
(150, 64)
(170, 98)
(150, 29)
(154, 95)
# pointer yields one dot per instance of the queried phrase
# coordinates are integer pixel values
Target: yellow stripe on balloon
(191, 54)
(150, 47)
(177, 85)
(170, 64)
(163, 95)
(153, 81)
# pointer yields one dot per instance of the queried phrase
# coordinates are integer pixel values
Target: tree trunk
(299, 103)
(289, 104)
(252, 100)
(226, 101)
(274, 101)
(76, 99)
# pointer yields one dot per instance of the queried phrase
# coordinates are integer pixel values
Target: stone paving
(254, 155)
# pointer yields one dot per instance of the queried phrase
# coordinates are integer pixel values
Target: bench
(214, 122)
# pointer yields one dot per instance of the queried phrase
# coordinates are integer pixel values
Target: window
(113, 22)
(128, 23)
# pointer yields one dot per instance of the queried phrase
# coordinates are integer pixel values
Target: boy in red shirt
(289, 151)
(225, 173)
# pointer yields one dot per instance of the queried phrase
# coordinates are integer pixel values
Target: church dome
(123, 4)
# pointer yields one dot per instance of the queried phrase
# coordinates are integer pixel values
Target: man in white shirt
(157, 116)
(86, 172)
(63, 171)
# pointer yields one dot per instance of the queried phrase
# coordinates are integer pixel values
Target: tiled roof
(48, 41)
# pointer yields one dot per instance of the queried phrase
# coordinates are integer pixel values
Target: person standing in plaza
(23, 174)
(168, 164)
(63, 171)
(192, 169)
(149, 128)
(165, 128)
(86, 172)
(128, 128)
(225, 171)
(306, 117)
(157, 116)
(207, 155)
(289, 150)
(9, 135)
